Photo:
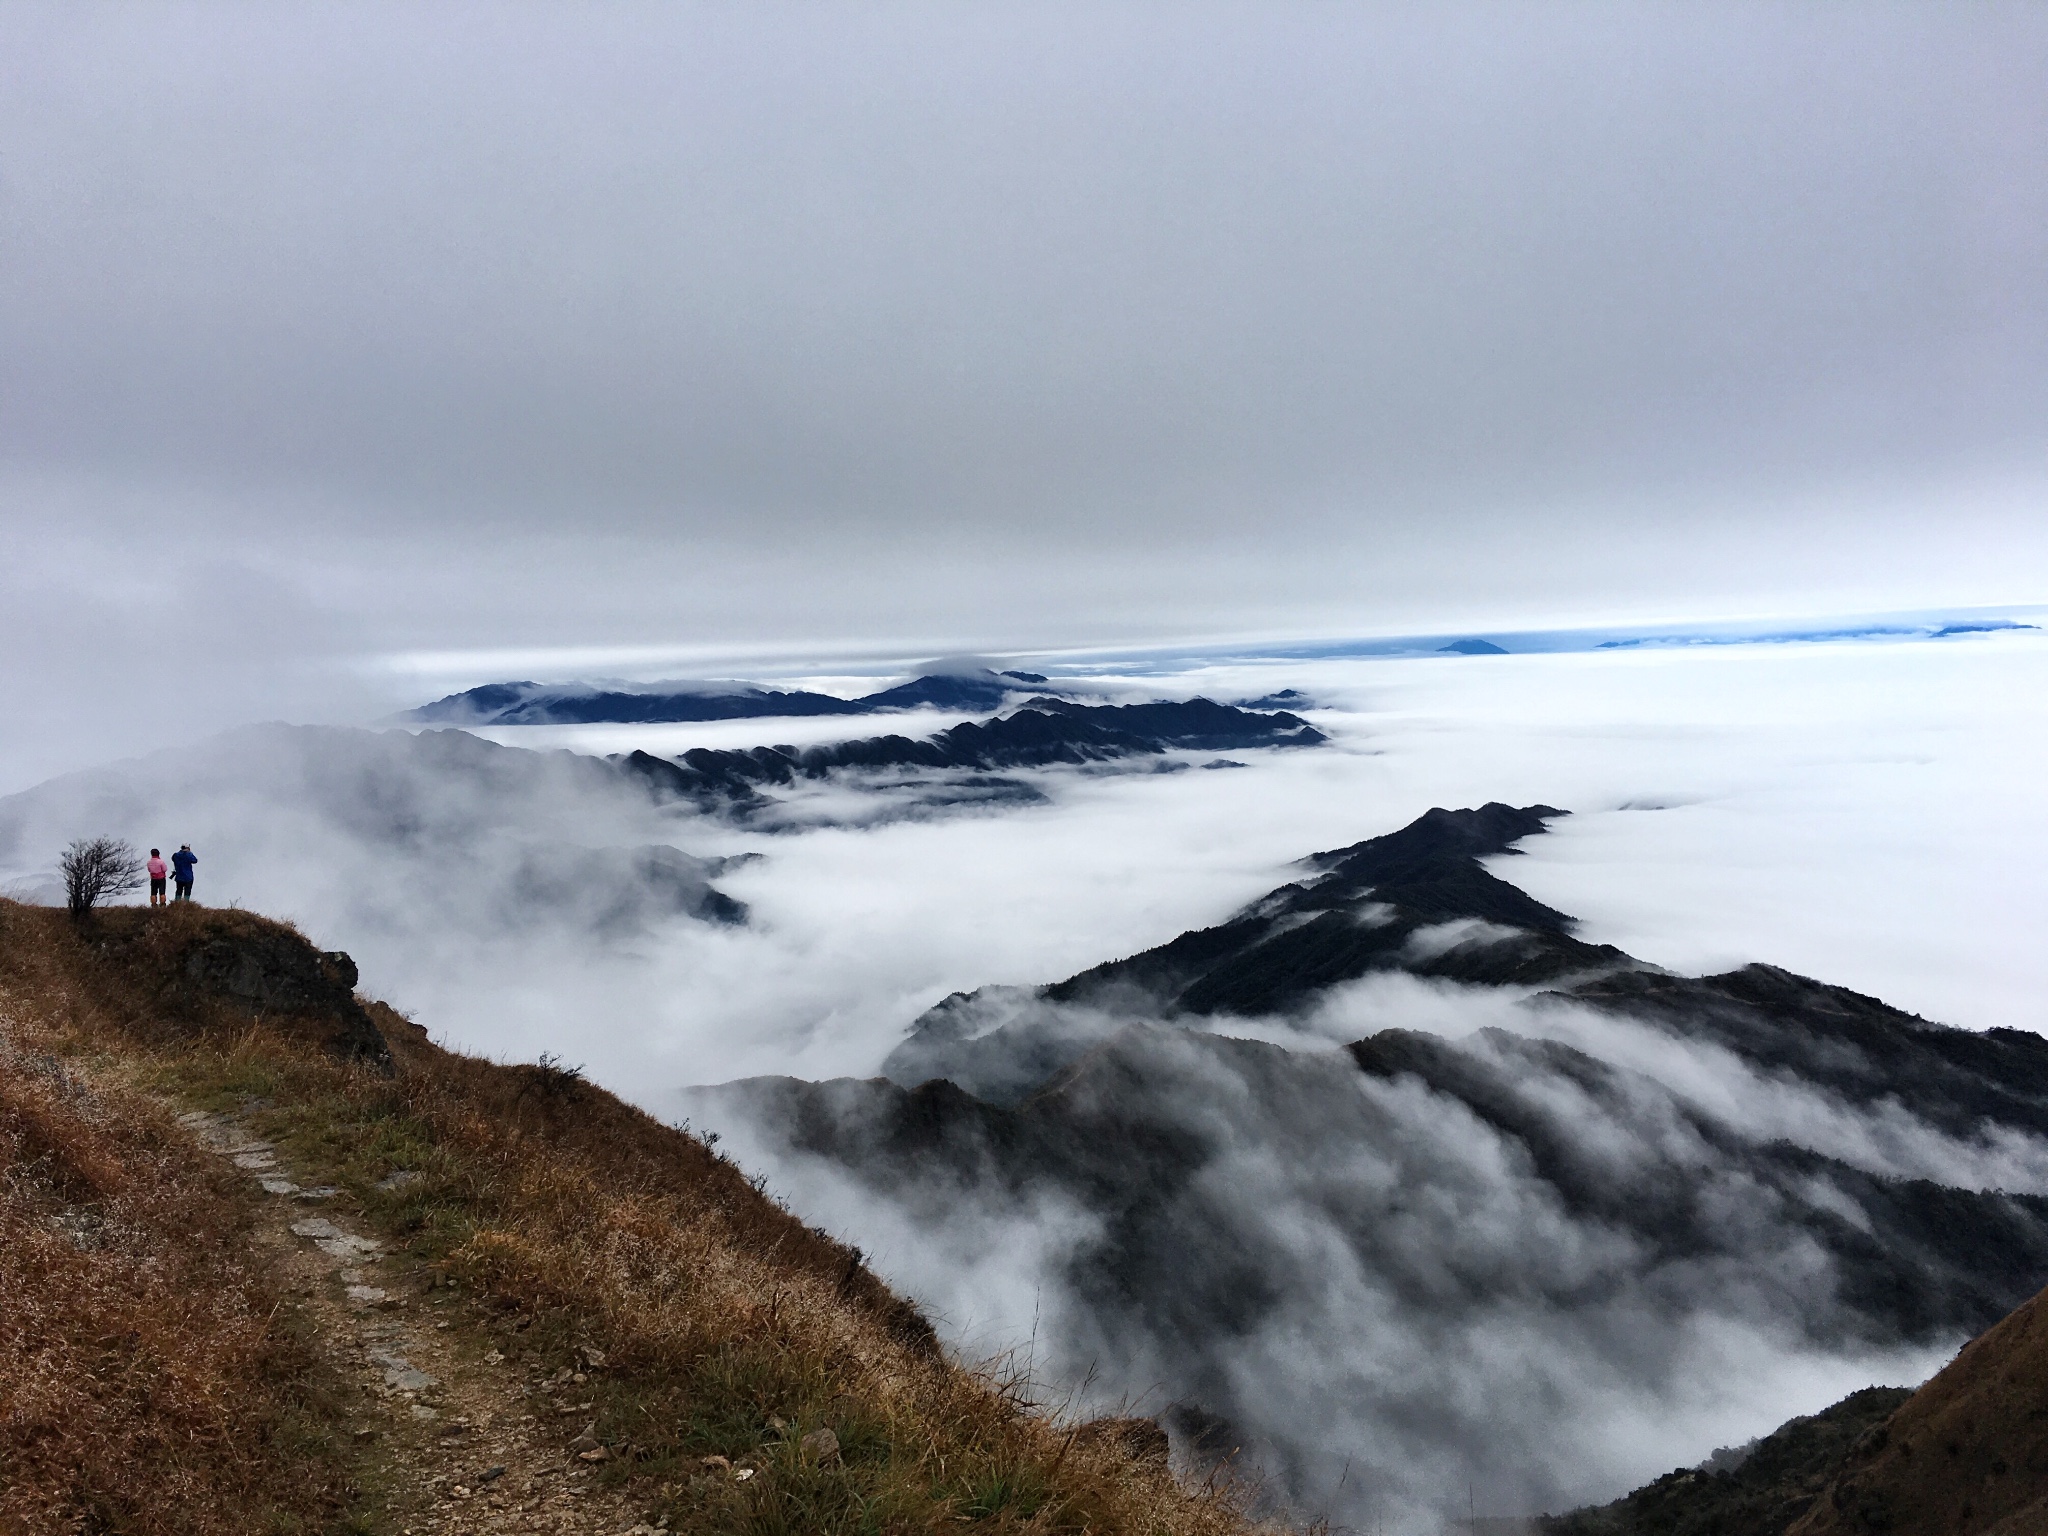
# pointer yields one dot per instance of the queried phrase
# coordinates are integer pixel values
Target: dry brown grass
(569, 1221)
(147, 1381)
(1966, 1455)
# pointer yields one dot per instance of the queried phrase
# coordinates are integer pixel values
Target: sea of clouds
(1867, 813)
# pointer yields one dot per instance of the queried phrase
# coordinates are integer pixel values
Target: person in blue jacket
(181, 871)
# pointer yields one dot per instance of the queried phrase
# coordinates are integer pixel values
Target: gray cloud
(971, 328)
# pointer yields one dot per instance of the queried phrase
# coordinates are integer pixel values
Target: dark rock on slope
(274, 971)
(201, 969)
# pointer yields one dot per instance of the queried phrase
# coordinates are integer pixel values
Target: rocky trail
(472, 1443)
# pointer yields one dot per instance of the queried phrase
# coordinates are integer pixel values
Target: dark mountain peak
(1772, 986)
(955, 690)
(1441, 834)
(474, 705)
(1980, 629)
(1415, 900)
(1431, 867)
(1471, 648)
(1226, 1187)
(1286, 698)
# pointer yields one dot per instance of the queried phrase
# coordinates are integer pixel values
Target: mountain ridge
(1041, 732)
(531, 703)
(1615, 1156)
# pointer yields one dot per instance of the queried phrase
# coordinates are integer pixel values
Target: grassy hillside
(1775, 1483)
(1967, 1455)
(173, 1363)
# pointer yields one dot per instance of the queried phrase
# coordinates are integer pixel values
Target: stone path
(476, 1445)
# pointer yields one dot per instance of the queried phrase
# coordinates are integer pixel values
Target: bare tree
(95, 868)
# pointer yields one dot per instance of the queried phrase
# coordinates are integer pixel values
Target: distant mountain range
(1424, 1256)
(668, 703)
(1856, 632)
(1040, 733)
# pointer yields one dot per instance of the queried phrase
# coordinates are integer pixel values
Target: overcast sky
(334, 332)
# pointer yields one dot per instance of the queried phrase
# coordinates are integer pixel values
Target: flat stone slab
(334, 1242)
(401, 1374)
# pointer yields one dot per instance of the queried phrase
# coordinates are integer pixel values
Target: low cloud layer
(1379, 1292)
(1427, 1262)
(1863, 813)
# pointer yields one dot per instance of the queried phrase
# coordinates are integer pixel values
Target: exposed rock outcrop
(273, 971)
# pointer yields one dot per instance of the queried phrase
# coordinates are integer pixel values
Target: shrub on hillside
(95, 868)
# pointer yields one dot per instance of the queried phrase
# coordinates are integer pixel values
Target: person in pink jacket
(158, 870)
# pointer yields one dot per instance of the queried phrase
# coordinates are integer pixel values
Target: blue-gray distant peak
(1472, 648)
(573, 704)
(672, 703)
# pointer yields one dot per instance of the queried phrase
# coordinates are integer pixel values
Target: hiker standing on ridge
(182, 862)
(157, 870)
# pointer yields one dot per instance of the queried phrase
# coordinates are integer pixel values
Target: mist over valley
(1403, 1178)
